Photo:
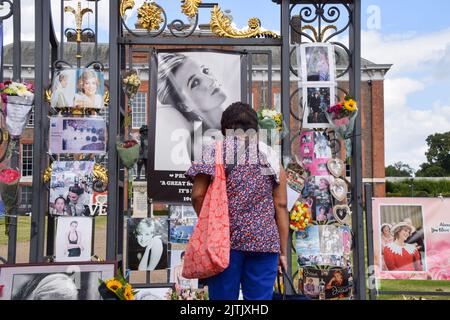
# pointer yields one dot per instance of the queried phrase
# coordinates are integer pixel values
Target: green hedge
(421, 188)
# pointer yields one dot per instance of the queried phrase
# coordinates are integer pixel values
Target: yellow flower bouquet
(342, 116)
(116, 288)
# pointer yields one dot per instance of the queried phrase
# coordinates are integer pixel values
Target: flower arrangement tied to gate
(17, 101)
(300, 216)
(343, 110)
(128, 151)
(131, 84)
(342, 116)
(270, 119)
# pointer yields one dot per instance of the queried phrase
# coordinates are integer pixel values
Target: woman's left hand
(282, 263)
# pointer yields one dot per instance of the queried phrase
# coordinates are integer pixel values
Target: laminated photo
(318, 99)
(181, 229)
(77, 135)
(78, 88)
(73, 239)
(147, 244)
(176, 270)
(71, 188)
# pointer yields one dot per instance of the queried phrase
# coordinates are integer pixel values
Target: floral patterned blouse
(250, 201)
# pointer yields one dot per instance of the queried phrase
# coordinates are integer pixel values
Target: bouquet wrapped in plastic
(9, 186)
(270, 123)
(128, 152)
(342, 116)
(18, 100)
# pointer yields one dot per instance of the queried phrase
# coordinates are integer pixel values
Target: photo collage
(76, 194)
(325, 241)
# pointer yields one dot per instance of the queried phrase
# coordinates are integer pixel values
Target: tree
(399, 169)
(438, 156)
(432, 170)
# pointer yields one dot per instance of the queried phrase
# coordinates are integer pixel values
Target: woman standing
(257, 204)
(74, 240)
(399, 255)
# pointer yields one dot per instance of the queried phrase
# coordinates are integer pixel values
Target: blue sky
(413, 35)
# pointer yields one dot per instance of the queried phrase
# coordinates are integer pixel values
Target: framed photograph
(147, 243)
(176, 269)
(403, 223)
(155, 293)
(71, 188)
(78, 88)
(56, 281)
(318, 99)
(192, 89)
(317, 62)
(77, 135)
(73, 239)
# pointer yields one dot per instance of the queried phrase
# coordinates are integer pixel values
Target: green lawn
(23, 232)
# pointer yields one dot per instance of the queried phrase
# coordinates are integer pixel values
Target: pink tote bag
(208, 251)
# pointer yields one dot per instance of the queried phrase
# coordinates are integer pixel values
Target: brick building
(371, 104)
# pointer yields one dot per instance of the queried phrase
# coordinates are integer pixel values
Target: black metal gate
(301, 21)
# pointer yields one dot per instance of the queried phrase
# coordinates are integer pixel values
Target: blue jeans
(256, 271)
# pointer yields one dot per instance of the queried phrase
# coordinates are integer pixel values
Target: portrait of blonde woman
(194, 88)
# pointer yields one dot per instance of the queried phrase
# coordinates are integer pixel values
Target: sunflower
(350, 105)
(113, 285)
(128, 293)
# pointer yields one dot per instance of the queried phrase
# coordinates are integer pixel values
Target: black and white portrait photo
(147, 243)
(73, 239)
(55, 281)
(317, 102)
(194, 88)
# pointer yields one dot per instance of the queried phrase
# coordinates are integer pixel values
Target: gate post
(356, 173)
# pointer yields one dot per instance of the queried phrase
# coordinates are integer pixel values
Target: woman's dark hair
(182, 255)
(76, 189)
(239, 115)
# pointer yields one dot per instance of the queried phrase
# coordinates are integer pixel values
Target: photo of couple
(78, 88)
(71, 188)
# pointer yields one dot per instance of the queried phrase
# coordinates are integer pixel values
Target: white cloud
(407, 128)
(427, 57)
(405, 51)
